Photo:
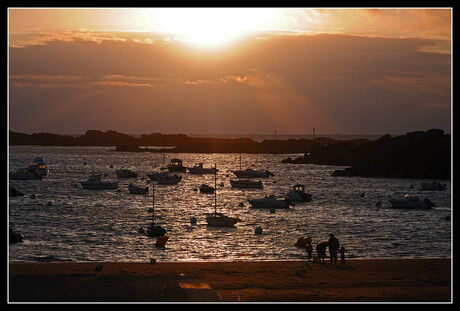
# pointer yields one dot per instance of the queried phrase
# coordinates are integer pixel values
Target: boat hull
(221, 221)
(100, 185)
(408, 204)
(246, 184)
(268, 203)
(250, 174)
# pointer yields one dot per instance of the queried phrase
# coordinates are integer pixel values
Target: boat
(250, 173)
(219, 219)
(154, 230)
(409, 201)
(298, 194)
(270, 202)
(245, 183)
(199, 169)
(125, 172)
(24, 174)
(168, 179)
(137, 190)
(175, 165)
(95, 182)
(206, 189)
(156, 176)
(434, 185)
(39, 166)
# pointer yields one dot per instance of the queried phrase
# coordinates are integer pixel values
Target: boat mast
(153, 204)
(215, 189)
(241, 147)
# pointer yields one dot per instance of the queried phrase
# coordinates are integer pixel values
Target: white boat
(95, 182)
(409, 201)
(250, 173)
(298, 194)
(125, 172)
(168, 179)
(218, 219)
(270, 202)
(199, 169)
(245, 183)
(433, 186)
(137, 190)
(206, 189)
(175, 165)
(39, 166)
(24, 174)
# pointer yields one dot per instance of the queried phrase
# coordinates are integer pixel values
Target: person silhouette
(333, 244)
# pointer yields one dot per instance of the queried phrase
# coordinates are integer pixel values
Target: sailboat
(249, 172)
(152, 230)
(218, 219)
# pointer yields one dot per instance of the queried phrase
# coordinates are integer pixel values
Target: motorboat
(250, 173)
(168, 179)
(409, 201)
(24, 174)
(175, 165)
(199, 169)
(298, 194)
(206, 189)
(125, 172)
(94, 182)
(434, 185)
(245, 183)
(218, 219)
(39, 166)
(270, 202)
(137, 190)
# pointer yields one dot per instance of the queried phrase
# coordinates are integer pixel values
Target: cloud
(336, 83)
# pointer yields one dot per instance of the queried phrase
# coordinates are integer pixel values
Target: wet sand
(386, 280)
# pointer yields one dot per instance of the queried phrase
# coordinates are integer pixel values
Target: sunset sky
(230, 70)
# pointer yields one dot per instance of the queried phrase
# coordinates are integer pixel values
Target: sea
(62, 222)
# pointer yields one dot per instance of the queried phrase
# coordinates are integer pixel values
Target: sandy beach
(386, 280)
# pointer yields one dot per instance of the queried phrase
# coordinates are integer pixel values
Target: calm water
(103, 225)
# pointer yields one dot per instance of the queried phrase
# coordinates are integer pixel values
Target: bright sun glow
(209, 27)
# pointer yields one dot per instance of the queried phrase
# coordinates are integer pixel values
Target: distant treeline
(176, 142)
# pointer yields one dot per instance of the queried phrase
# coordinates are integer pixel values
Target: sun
(208, 27)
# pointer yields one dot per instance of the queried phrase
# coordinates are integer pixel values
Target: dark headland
(420, 154)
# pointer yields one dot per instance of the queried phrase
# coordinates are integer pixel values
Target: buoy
(150, 209)
(258, 230)
(378, 203)
(141, 230)
(32, 196)
(153, 261)
(241, 204)
(272, 210)
(362, 195)
(161, 241)
(49, 203)
(193, 220)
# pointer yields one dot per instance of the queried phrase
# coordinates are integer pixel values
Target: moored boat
(125, 172)
(270, 202)
(94, 182)
(137, 190)
(434, 185)
(245, 183)
(250, 173)
(298, 194)
(199, 169)
(409, 201)
(168, 179)
(175, 165)
(39, 165)
(24, 174)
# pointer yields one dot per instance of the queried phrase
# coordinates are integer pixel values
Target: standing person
(333, 244)
(342, 255)
(309, 250)
(321, 249)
